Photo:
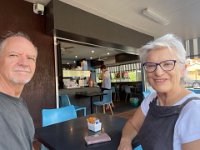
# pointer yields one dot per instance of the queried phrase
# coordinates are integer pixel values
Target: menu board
(76, 73)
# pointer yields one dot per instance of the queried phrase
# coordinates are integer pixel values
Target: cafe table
(70, 134)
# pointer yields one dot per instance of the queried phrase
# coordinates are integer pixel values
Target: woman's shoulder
(192, 98)
(193, 103)
(187, 125)
(191, 109)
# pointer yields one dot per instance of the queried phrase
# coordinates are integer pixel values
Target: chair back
(113, 89)
(138, 148)
(108, 96)
(197, 91)
(146, 93)
(56, 115)
(117, 88)
(127, 89)
(64, 100)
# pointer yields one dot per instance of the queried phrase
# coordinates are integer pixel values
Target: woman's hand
(131, 129)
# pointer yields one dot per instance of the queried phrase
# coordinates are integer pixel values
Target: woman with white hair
(169, 118)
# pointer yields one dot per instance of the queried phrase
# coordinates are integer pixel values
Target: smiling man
(17, 66)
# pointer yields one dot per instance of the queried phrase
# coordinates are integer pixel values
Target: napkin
(97, 138)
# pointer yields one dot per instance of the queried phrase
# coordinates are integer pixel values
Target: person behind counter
(106, 81)
(105, 77)
(168, 119)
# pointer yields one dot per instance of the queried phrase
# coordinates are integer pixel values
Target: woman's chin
(161, 89)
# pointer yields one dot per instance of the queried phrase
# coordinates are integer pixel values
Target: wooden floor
(121, 109)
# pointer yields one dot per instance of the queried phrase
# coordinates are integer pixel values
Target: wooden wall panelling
(17, 15)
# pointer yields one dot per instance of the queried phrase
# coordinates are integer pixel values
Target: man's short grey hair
(169, 41)
(12, 34)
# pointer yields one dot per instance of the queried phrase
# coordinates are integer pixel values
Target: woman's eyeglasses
(166, 65)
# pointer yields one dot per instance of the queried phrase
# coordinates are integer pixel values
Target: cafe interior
(74, 38)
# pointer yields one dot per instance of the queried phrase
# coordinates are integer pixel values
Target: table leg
(91, 105)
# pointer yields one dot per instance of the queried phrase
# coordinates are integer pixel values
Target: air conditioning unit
(38, 9)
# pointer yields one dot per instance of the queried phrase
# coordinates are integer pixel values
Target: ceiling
(69, 51)
(182, 14)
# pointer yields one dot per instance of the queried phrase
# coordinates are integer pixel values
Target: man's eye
(13, 55)
(31, 58)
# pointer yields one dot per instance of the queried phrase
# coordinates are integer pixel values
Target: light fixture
(38, 9)
(154, 16)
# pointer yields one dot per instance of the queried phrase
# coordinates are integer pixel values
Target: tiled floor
(120, 109)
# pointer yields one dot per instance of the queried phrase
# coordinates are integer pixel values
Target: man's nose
(23, 60)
